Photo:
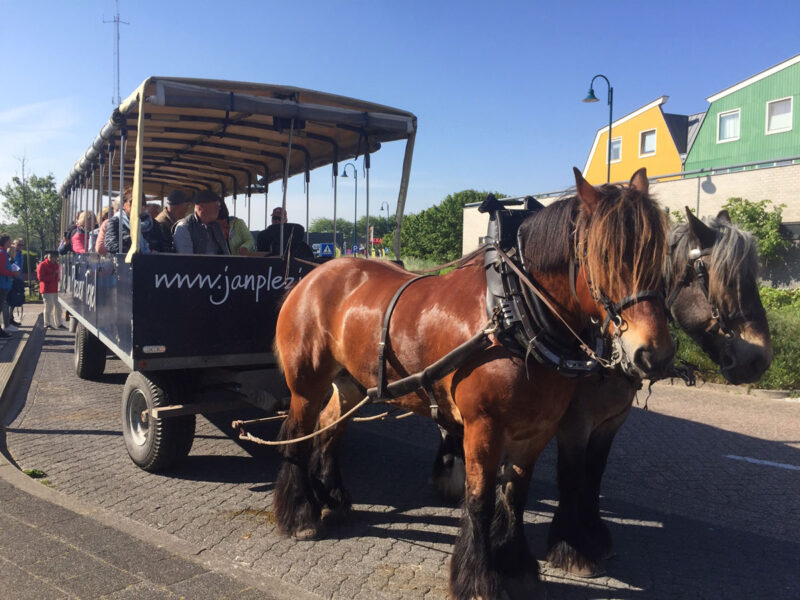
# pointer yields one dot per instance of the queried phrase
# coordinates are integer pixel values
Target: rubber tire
(90, 354)
(160, 444)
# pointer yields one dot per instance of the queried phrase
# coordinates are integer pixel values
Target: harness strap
(614, 311)
(385, 334)
(526, 280)
(447, 364)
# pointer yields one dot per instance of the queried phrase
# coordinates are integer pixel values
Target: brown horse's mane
(733, 259)
(626, 230)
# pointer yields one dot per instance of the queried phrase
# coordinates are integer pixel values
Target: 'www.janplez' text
(222, 284)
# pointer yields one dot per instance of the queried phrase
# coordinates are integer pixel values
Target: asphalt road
(701, 494)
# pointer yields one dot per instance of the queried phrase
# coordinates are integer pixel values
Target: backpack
(16, 295)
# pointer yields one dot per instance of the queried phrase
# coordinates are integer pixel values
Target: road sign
(326, 250)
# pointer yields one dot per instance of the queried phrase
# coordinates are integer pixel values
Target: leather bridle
(696, 268)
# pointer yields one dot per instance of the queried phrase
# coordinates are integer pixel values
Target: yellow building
(647, 137)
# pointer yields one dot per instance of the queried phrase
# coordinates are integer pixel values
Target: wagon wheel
(90, 354)
(153, 444)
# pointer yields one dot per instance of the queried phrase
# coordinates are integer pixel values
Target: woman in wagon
(84, 236)
(100, 244)
(235, 230)
(151, 240)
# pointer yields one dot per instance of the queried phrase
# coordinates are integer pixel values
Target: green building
(754, 120)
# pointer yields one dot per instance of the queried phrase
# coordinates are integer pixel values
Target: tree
(436, 232)
(36, 206)
(763, 220)
(380, 227)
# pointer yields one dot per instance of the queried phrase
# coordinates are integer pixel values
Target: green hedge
(783, 316)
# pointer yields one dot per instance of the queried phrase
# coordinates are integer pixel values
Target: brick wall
(779, 184)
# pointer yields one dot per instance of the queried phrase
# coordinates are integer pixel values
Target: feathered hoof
(334, 516)
(525, 587)
(310, 533)
(565, 557)
(449, 483)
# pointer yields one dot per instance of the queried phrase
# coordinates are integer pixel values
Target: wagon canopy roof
(233, 136)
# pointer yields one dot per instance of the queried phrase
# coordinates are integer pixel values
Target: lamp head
(590, 97)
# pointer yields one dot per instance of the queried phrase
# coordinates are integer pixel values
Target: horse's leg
(569, 547)
(473, 573)
(596, 459)
(447, 475)
(325, 473)
(510, 551)
(297, 510)
(578, 540)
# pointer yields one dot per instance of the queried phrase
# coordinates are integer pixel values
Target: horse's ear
(588, 196)
(639, 181)
(724, 217)
(702, 232)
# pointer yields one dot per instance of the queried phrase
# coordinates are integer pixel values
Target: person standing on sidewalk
(48, 273)
(19, 259)
(6, 277)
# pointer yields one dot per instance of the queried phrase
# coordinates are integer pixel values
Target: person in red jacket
(48, 273)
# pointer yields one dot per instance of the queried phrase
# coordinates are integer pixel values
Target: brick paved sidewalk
(54, 546)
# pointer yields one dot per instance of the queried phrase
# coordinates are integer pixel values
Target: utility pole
(27, 223)
(116, 100)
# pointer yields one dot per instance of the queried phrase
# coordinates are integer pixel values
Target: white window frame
(641, 136)
(738, 111)
(620, 151)
(791, 116)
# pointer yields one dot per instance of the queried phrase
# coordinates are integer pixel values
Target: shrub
(783, 316)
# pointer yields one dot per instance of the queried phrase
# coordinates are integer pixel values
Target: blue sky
(496, 85)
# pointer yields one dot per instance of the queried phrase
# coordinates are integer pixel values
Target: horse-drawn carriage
(197, 331)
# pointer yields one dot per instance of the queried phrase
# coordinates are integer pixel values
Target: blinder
(697, 268)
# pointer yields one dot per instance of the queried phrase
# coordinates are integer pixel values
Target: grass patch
(35, 473)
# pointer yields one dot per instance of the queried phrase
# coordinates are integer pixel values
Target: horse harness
(522, 321)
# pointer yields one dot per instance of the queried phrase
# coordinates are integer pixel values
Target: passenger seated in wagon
(199, 233)
(151, 235)
(240, 240)
(175, 209)
(269, 240)
(84, 235)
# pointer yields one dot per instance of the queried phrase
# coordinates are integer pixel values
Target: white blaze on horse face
(645, 342)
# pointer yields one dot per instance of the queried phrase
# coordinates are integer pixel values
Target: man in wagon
(199, 233)
(174, 210)
(269, 240)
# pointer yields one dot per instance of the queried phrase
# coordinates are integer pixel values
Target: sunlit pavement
(700, 495)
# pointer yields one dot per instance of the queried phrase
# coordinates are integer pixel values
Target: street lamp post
(385, 205)
(590, 97)
(355, 209)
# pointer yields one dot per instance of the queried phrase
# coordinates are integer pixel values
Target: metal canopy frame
(234, 137)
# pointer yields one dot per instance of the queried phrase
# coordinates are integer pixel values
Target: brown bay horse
(328, 333)
(711, 284)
